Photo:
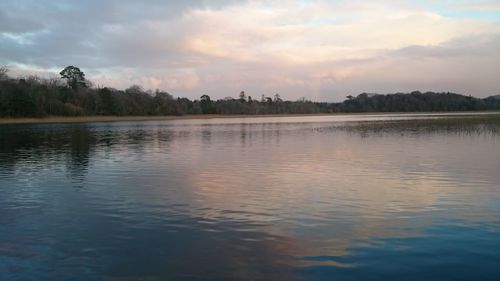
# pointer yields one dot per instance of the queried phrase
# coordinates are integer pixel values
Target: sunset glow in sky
(321, 50)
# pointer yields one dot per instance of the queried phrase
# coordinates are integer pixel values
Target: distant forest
(73, 95)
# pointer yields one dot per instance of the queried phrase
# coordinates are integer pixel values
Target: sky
(320, 50)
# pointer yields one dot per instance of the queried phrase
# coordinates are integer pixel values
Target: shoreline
(111, 118)
(107, 118)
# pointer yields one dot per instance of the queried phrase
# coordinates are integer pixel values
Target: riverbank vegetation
(73, 95)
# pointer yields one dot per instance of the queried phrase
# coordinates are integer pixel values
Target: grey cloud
(23, 16)
(475, 45)
(18, 17)
(77, 31)
(467, 65)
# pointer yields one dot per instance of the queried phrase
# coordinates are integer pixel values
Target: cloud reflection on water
(249, 199)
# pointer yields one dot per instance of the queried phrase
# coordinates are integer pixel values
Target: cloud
(317, 49)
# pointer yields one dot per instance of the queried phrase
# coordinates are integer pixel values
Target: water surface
(354, 197)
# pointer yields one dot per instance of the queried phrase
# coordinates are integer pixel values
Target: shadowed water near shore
(368, 197)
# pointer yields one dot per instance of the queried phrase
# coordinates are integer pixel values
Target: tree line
(73, 95)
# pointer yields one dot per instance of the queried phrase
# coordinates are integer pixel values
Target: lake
(348, 197)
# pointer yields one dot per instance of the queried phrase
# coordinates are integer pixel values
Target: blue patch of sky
(478, 15)
(447, 9)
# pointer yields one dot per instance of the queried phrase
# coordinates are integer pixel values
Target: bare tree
(3, 72)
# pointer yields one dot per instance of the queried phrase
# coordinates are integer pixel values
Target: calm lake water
(363, 197)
